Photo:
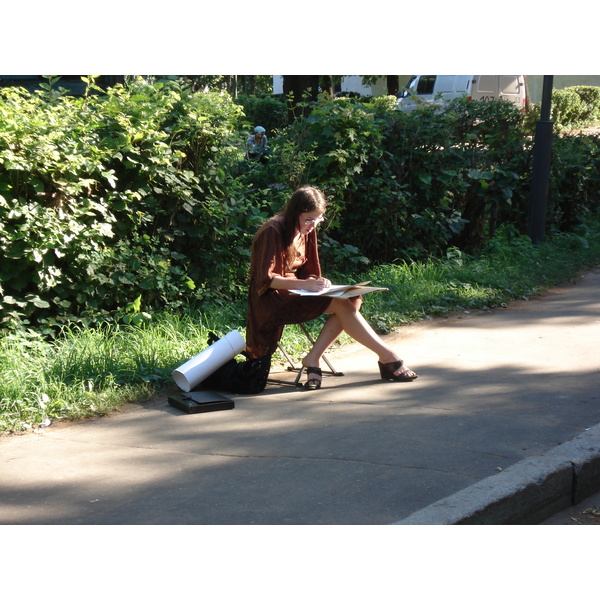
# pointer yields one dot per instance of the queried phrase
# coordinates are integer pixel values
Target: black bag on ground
(246, 377)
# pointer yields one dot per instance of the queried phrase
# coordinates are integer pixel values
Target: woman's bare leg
(346, 316)
(331, 331)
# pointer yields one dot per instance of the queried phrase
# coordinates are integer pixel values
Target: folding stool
(293, 367)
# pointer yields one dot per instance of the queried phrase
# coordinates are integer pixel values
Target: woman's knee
(346, 305)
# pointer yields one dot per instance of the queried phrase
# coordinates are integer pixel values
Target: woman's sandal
(312, 383)
(386, 370)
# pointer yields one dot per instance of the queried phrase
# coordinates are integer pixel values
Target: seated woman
(285, 257)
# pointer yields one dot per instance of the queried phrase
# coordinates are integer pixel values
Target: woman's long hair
(304, 199)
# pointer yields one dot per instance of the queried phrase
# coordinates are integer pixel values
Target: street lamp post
(540, 176)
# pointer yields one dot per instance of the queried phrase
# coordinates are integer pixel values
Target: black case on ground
(200, 402)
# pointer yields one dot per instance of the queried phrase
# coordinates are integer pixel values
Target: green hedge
(572, 107)
(120, 202)
(404, 187)
(140, 199)
(269, 112)
(408, 186)
(590, 97)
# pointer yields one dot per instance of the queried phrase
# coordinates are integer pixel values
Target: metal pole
(540, 176)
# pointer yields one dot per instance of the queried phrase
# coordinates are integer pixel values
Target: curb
(526, 493)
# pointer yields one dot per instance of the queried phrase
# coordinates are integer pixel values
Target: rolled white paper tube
(198, 368)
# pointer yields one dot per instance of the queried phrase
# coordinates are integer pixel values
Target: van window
(425, 85)
(509, 84)
(487, 84)
(411, 84)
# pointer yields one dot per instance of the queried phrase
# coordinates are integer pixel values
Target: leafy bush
(572, 107)
(107, 199)
(116, 205)
(590, 96)
(405, 187)
(269, 111)
(438, 180)
(567, 108)
(574, 190)
(329, 148)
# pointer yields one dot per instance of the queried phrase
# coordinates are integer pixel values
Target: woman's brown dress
(270, 310)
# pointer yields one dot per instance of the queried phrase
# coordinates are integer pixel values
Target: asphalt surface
(501, 427)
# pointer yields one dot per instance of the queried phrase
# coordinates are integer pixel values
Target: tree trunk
(327, 85)
(300, 89)
(393, 84)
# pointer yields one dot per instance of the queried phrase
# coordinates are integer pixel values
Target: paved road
(496, 388)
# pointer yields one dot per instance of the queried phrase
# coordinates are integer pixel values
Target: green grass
(507, 270)
(89, 372)
(86, 372)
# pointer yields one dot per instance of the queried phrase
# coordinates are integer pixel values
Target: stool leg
(281, 348)
(310, 339)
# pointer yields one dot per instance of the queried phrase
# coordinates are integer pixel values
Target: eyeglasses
(314, 222)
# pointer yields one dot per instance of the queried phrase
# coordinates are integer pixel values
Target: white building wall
(353, 83)
(278, 84)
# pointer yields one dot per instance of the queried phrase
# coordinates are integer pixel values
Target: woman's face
(309, 220)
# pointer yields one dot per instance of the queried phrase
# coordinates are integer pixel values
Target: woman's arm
(312, 284)
(268, 263)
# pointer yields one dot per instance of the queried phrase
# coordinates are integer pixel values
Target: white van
(500, 87)
(438, 90)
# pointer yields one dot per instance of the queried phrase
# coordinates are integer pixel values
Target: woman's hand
(312, 284)
(316, 284)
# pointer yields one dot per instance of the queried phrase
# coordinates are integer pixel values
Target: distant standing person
(256, 144)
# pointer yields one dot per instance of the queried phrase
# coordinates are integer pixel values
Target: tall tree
(327, 85)
(300, 89)
(393, 84)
